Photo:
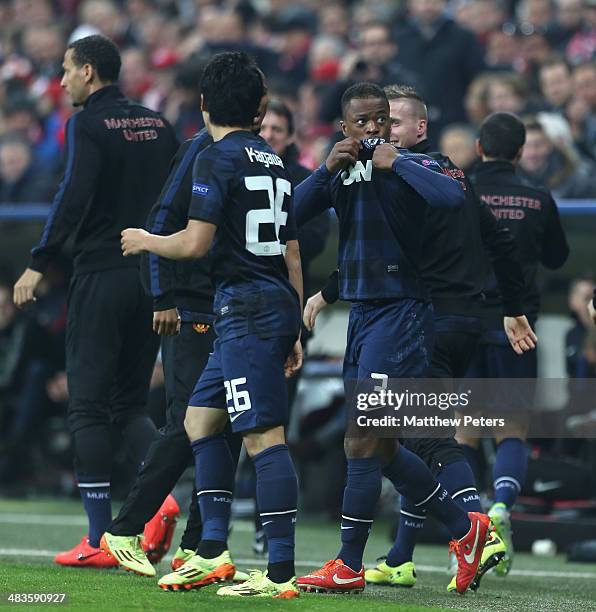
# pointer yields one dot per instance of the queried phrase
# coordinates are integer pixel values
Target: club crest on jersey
(201, 328)
(357, 173)
(200, 190)
(371, 143)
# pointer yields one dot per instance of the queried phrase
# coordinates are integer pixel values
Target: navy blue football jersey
(241, 186)
(381, 220)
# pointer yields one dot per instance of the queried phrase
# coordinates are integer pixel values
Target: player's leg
(184, 357)
(411, 326)
(205, 421)
(511, 457)
(135, 367)
(93, 340)
(258, 406)
(451, 355)
(477, 368)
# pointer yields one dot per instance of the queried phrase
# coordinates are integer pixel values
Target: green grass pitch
(31, 531)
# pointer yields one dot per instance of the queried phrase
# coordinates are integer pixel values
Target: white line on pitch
(29, 552)
(14, 518)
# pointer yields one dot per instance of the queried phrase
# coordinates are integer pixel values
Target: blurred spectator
(104, 17)
(555, 83)
(480, 17)
(584, 83)
(444, 55)
(535, 50)
(580, 292)
(458, 143)
(375, 58)
(582, 123)
(334, 20)
(324, 58)
(44, 46)
(502, 50)
(310, 52)
(534, 16)
(20, 181)
(33, 12)
(135, 77)
(555, 166)
(569, 21)
(582, 46)
(507, 92)
(476, 100)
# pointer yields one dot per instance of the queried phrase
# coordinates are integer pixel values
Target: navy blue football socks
(97, 502)
(363, 487)
(509, 470)
(412, 478)
(472, 456)
(214, 474)
(277, 499)
(411, 522)
(458, 479)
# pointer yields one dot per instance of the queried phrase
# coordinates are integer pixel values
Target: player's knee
(256, 442)
(202, 422)
(361, 448)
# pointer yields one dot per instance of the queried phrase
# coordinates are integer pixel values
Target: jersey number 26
(274, 214)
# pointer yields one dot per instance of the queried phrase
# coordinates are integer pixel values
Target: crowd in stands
(467, 57)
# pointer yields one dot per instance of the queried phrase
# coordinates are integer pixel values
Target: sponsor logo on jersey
(201, 328)
(357, 173)
(200, 190)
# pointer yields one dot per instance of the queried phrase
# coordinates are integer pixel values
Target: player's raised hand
(520, 334)
(343, 154)
(294, 360)
(24, 289)
(166, 322)
(313, 307)
(133, 241)
(384, 156)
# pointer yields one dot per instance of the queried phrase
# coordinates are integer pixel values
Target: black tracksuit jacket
(117, 158)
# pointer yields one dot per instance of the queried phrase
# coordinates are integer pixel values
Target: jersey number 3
(274, 214)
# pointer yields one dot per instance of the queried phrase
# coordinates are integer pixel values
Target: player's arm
(83, 162)
(313, 196)
(436, 188)
(169, 215)
(192, 242)
(329, 294)
(500, 245)
(292, 258)
(555, 249)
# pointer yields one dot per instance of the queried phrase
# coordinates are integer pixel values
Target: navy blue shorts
(245, 376)
(393, 340)
(494, 358)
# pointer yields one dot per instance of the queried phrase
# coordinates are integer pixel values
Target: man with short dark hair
(382, 197)
(556, 83)
(531, 215)
(451, 263)
(242, 210)
(117, 157)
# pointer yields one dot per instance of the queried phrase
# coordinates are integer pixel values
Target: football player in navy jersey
(381, 197)
(241, 209)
